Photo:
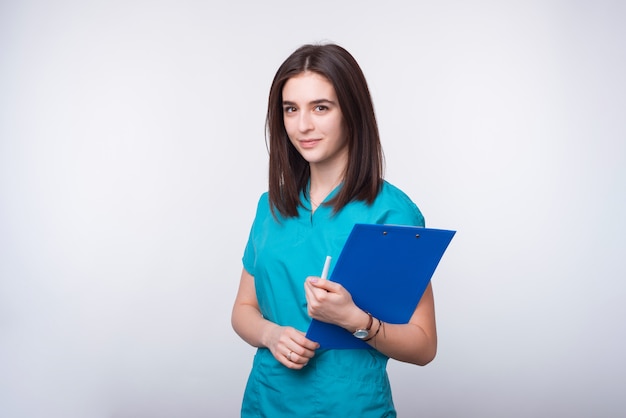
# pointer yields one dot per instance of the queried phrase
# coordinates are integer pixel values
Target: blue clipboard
(386, 269)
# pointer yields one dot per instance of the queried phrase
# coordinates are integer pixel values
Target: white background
(132, 155)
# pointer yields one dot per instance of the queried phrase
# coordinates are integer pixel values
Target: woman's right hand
(290, 346)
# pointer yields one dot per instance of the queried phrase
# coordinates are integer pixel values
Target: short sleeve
(250, 252)
(400, 209)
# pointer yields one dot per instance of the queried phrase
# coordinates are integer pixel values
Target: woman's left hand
(331, 302)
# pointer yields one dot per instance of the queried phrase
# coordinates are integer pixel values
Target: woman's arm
(414, 342)
(288, 345)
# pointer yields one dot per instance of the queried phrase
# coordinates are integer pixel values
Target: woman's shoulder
(399, 205)
(390, 191)
(264, 198)
(263, 204)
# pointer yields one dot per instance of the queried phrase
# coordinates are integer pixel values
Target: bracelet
(380, 324)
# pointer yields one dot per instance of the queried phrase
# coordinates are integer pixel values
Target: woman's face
(313, 120)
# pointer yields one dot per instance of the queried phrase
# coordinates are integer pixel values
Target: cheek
(333, 127)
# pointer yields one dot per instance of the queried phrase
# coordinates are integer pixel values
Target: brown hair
(289, 173)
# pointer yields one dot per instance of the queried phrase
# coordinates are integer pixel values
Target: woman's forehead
(308, 86)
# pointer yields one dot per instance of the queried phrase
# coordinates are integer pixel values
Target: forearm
(414, 342)
(250, 325)
(246, 318)
(404, 342)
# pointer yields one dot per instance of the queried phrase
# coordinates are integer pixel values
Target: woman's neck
(323, 182)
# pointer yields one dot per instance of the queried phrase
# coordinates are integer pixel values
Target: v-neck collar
(305, 200)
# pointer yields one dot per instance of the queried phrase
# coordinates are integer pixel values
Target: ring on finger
(289, 356)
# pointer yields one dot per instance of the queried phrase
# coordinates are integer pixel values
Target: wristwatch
(363, 333)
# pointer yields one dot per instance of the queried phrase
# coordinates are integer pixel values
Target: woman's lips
(309, 143)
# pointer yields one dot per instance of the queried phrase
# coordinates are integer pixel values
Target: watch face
(361, 333)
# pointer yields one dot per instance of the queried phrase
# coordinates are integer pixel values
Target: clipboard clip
(416, 235)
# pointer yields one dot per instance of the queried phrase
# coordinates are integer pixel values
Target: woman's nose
(305, 122)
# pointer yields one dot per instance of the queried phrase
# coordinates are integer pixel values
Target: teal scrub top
(280, 254)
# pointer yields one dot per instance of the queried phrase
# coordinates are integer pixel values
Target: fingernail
(313, 279)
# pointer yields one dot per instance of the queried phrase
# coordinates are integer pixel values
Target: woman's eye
(289, 109)
(321, 108)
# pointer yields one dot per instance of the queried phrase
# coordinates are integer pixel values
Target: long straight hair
(289, 173)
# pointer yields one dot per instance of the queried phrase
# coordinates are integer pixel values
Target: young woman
(325, 175)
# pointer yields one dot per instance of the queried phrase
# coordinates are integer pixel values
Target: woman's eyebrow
(312, 102)
(320, 101)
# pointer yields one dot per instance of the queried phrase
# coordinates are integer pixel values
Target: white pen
(326, 267)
